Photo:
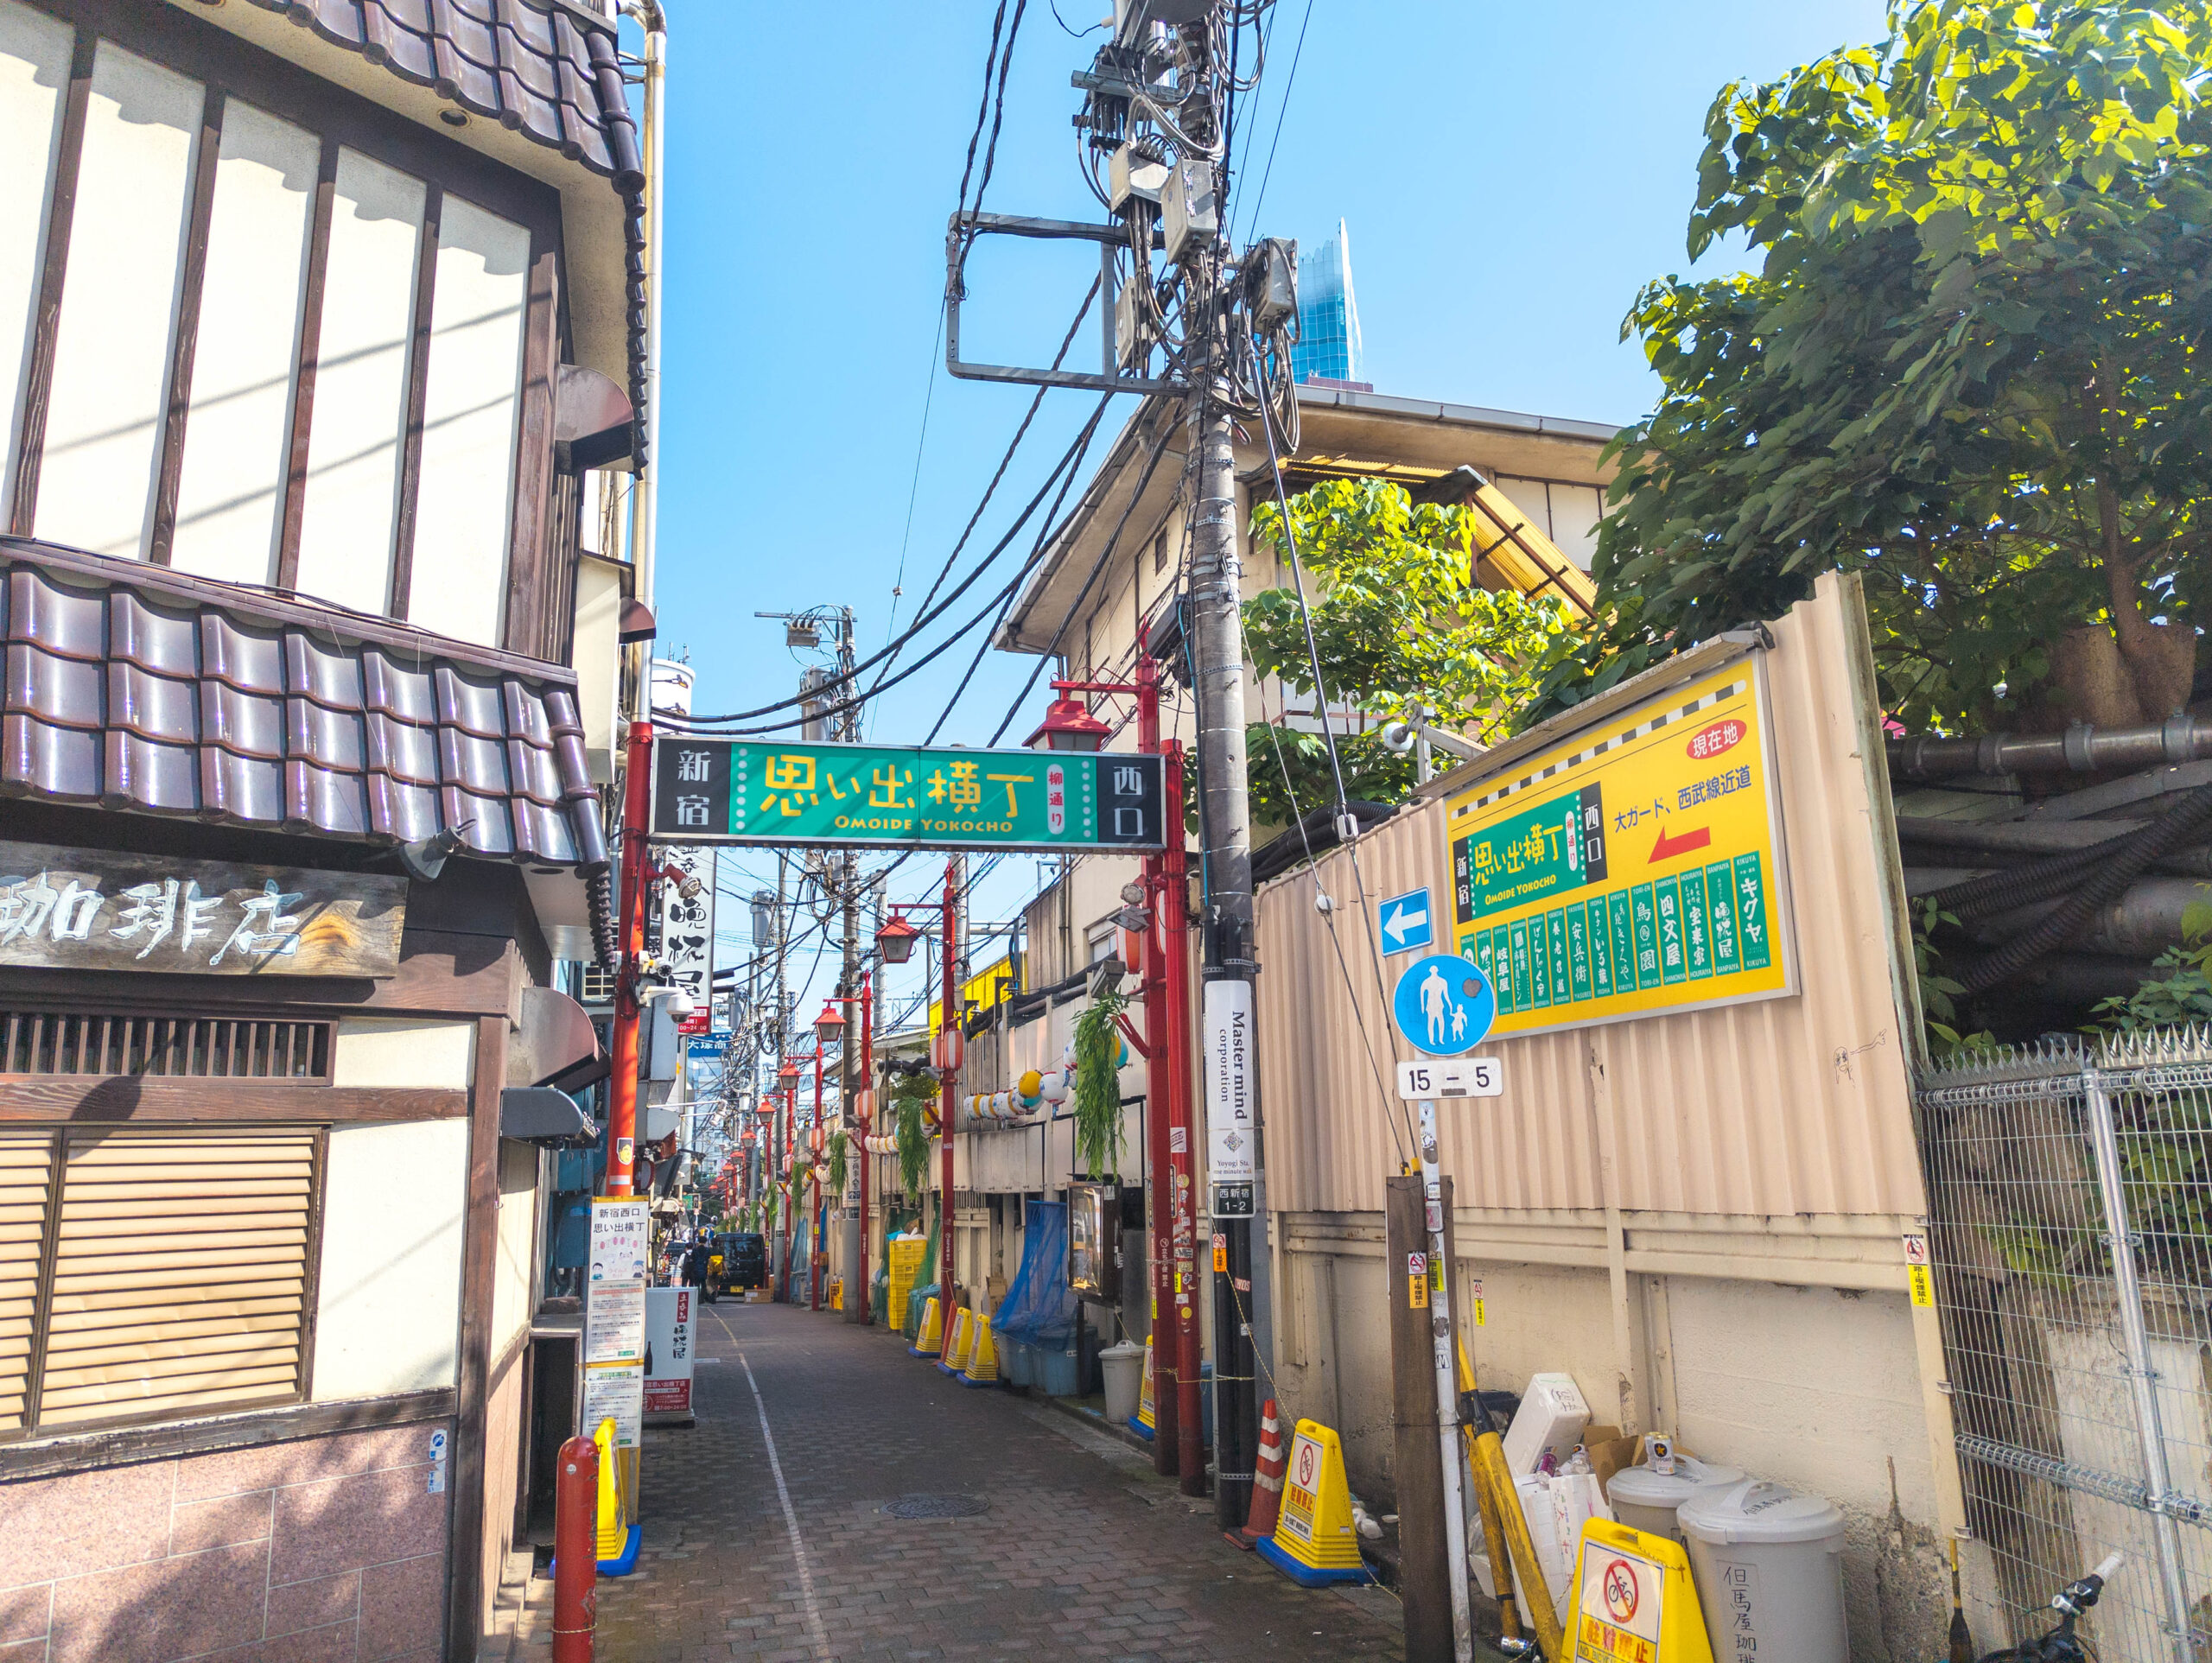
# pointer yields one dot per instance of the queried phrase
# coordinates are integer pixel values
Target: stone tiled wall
(319, 1550)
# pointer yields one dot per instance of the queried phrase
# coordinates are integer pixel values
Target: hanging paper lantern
(1028, 1084)
(1053, 1086)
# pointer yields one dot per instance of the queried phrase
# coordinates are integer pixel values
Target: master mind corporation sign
(743, 791)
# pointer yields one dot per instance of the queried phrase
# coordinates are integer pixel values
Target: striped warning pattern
(1266, 1482)
(1610, 742)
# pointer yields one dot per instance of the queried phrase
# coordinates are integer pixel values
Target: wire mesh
(2079, 1355)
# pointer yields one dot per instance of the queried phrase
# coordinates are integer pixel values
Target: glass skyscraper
(1328, 317)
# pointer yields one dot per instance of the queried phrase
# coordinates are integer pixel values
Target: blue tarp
(1039, 1307)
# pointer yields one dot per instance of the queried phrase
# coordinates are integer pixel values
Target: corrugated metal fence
(2070, 1212)
(1791, 1107)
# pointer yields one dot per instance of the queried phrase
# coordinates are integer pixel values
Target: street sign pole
(1448, 1390)
(1444, 1007)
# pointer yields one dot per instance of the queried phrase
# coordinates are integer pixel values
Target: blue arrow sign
(1405, 920)
(1444, 1005)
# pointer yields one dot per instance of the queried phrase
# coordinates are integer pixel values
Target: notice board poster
(1634, 868)
(615, 1316)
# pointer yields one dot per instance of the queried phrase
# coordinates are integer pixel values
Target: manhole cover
(936, 1507)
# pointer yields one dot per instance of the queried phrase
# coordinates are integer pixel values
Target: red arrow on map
(1667, 848)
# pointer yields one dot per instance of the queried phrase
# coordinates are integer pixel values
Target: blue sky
(1510, 176)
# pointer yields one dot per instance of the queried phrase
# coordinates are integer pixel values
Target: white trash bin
(1768, 1565)
(1123, 1367)
(1646, 1500)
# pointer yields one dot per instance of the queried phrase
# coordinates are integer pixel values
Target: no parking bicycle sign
(1623, 1594)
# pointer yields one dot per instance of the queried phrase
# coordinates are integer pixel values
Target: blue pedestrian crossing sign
(1444, 1005)
(1405, 920)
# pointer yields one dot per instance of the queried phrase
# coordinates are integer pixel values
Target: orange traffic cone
(1267, 1484)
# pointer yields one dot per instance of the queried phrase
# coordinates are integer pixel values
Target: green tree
(1399, 622)
(1968, 363)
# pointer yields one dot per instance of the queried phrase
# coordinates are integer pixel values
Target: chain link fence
(2070, 1228)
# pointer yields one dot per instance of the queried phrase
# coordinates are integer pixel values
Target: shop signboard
(1634, 868)
(669, 1313)
(1232, 1169)
(687, 929)
(746, 791)
(70, 908)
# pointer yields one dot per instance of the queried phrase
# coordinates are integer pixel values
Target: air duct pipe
(2080, 749)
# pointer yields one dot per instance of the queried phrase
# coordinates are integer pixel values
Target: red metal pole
(1159, 1183)
(1173, 905)
(948, 1287)
(814, 1216)
(575, 1551)
(622, 1086)
(786, 1186)
(861, 1126)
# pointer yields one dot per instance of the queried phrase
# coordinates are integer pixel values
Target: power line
(928, 614)
(1159, 449)
(1281, 110)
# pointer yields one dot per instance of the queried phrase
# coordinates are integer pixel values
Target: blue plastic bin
(1057, 1371)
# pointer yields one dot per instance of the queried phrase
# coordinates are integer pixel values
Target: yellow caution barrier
(983, 1356)
(1314, 1543)
(926, 1343)
(955, 1355)
(1145, 1422)
(615, 1538)
(1633, 1601)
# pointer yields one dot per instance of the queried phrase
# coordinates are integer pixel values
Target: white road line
(819, 1634)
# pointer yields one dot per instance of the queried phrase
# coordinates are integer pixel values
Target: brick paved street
(1082, 1553)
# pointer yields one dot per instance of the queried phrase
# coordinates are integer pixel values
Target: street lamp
(1069, 726)
(830, 1026)
(895, 939)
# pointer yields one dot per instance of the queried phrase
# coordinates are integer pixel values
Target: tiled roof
(537, 66)
(134, 688)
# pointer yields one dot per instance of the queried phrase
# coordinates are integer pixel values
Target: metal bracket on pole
(964, 228)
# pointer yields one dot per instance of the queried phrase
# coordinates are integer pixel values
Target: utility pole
(1155, 125)
(1225, 823)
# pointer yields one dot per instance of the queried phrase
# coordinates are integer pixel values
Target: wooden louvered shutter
(26, 1165)
(180, 1274)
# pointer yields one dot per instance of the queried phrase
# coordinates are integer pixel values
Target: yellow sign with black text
(1633, 1600)
(1634, 868)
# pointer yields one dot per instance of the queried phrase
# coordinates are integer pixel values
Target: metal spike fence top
(2079, 1354)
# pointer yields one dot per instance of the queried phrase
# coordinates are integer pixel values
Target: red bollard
(575, 1551)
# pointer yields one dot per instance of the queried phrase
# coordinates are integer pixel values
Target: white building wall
(118, 304)
(231, 486)
(388, 1318)
(33, 69)
(395, 1200)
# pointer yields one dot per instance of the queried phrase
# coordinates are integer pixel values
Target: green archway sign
(747, 791)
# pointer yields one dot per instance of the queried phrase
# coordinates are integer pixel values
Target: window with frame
(250, 351)
(151, 1274)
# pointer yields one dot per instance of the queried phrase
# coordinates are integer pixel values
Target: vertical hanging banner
(1634, 868)
(1232, 1153)
(687, 928)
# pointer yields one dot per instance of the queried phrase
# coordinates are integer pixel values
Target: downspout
(645, 499)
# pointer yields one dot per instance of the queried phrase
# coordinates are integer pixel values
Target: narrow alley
(768, 1535)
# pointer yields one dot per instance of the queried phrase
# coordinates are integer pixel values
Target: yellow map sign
(1634, 868)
